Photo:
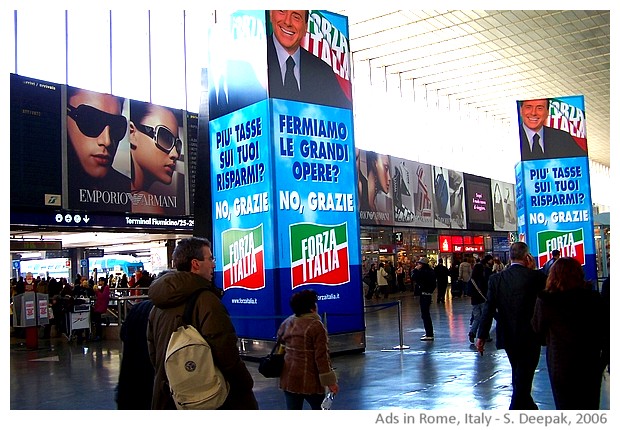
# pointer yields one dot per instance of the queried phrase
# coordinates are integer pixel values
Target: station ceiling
(487, 59)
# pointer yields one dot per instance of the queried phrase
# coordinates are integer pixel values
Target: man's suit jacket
(512, 293)
(318, 83)
(558, 144)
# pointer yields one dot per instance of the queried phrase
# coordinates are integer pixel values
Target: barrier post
(400, 328)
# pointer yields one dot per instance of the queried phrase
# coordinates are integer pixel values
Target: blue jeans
(295, 401)
(476, 314)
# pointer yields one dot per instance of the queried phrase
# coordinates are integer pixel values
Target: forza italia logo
(569, 243)
(244, 258)
(319, 254)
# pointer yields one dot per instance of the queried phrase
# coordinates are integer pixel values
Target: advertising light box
(554, 202)
(283, 178)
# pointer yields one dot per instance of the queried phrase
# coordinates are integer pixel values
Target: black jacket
(425, 278)
(511, 298)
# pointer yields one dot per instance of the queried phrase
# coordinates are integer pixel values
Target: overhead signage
(35, 245)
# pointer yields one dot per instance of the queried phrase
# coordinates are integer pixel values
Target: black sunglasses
(92, 121)
(162, 136)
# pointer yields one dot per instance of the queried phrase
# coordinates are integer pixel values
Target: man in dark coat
(441, 273)
(511, 298)
(135, 379)
(194, 262)
(539, 141)
(424, 276)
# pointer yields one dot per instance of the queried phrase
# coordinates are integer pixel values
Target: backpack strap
(189, 306)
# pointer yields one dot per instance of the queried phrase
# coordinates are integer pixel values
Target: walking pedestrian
(510, 299)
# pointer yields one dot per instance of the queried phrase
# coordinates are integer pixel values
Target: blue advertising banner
(282, 171)
(242, 192)
(318, 222)
(554, 203)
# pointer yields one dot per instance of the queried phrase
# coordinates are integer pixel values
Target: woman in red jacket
(102, 299)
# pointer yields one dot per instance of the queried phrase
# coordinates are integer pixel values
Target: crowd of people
(63, 296)
(555, 308)
(531, 307)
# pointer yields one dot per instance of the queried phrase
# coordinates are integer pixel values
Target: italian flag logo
(244, 258)
(319, 254)
(569, 243)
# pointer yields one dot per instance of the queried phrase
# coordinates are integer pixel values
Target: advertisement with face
(412, 193)
(552, 128)
(95, 127)
(157, 159)
(555, 211)
(308, 57)
(376, 204)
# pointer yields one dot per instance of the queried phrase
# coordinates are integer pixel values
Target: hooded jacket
(169, 294)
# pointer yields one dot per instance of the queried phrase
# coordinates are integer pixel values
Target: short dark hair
(555, 253)
(103, 279)
(303, 302)
(187, 250)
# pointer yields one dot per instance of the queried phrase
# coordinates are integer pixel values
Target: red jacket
(102, 299)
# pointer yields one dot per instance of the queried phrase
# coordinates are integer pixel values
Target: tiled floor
(444, 374)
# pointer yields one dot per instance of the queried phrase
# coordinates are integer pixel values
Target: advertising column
(554, 205)
(317, 217)
(241, 172)
(283, 173)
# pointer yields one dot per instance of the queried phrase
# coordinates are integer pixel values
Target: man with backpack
(170, 293)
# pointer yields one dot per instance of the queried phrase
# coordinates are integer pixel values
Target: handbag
(271, 365)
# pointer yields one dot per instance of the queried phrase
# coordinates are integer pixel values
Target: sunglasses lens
(92, 122)
(165, 138)
(118, 127)
(89, 120)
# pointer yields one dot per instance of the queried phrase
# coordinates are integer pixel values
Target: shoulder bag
(478, 289)
(271, 365)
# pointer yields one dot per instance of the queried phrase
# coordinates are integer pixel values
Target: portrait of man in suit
(294, 73)
(539, 141)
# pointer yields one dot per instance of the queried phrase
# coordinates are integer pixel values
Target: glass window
(130, 55)
(41, 45)
(88, 49)
(197, 24)
(167, 58)
(8, 33)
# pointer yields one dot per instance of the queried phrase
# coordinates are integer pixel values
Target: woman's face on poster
(156, 160)
(383, 173)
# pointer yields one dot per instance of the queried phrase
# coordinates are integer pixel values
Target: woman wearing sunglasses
(155, 149)
(95, 126)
